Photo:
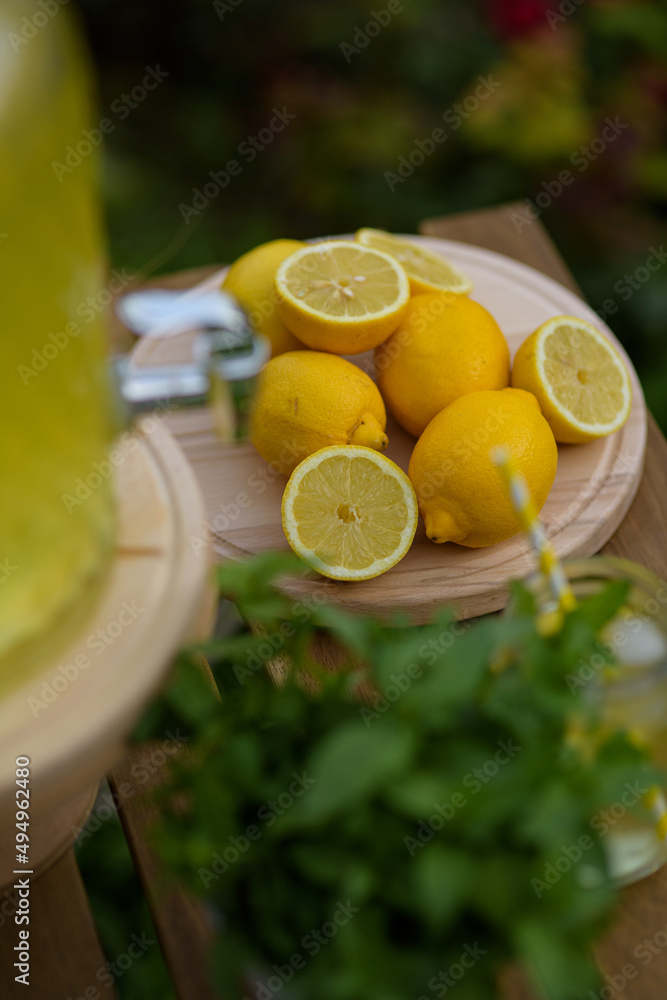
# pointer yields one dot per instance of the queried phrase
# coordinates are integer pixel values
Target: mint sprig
(429, 787)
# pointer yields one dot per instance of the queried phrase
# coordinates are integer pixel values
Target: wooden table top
(634, 954)
(642, 537)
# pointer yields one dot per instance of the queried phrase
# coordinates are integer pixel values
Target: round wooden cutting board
(72, 717)
(595, 483)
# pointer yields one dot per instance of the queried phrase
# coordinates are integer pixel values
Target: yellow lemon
(307, 400)
(579, 378)
(461, 495)
(428, 271)
(251, 280)
(444, 347)
(349, 512)
(341, 297)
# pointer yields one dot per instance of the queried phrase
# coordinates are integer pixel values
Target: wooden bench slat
(66, 955)
(181, 923)
(642, 537)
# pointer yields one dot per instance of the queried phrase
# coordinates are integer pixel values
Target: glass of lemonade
(55, 412)
(632, 695)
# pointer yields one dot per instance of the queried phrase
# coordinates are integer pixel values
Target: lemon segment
(349, 512)
(340, 297)
(428, 271)
(579, 378)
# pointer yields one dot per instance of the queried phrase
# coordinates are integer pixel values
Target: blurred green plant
(362, 832)
(560, 77)
(121, 914)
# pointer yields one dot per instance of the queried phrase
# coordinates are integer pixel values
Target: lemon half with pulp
(340, 297)
(579, 378)
(428, 271)
(349, 512)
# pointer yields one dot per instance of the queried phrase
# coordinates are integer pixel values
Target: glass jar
(632, 694)
(56, 509)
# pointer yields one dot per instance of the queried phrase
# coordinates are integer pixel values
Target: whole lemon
(445, 346)
(307, 400)
(250, 279)
(461, 495)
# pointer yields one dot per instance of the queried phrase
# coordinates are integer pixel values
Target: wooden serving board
(594, 486)
(73, 717)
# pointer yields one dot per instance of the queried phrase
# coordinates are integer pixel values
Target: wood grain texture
(51, 834)
(67, 958)
(594, 484)
(80, 733)
(642, 537)
(154, 596)
(183, 926)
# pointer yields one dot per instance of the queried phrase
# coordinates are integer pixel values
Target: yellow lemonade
(55, 423)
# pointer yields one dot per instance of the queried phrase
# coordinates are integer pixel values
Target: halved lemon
(579, 378)
(340, 297)
(427, 271)
(349, 512)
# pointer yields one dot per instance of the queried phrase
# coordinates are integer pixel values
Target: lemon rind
(309, 556)
(399, 303)
(465, 284)
(597, 429)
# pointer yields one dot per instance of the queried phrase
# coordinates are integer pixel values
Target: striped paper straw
(533, 527)
(550, 567)
(655, 801)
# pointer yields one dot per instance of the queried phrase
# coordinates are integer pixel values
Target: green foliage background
(375, 767)
(561, 77)
(358, 113)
